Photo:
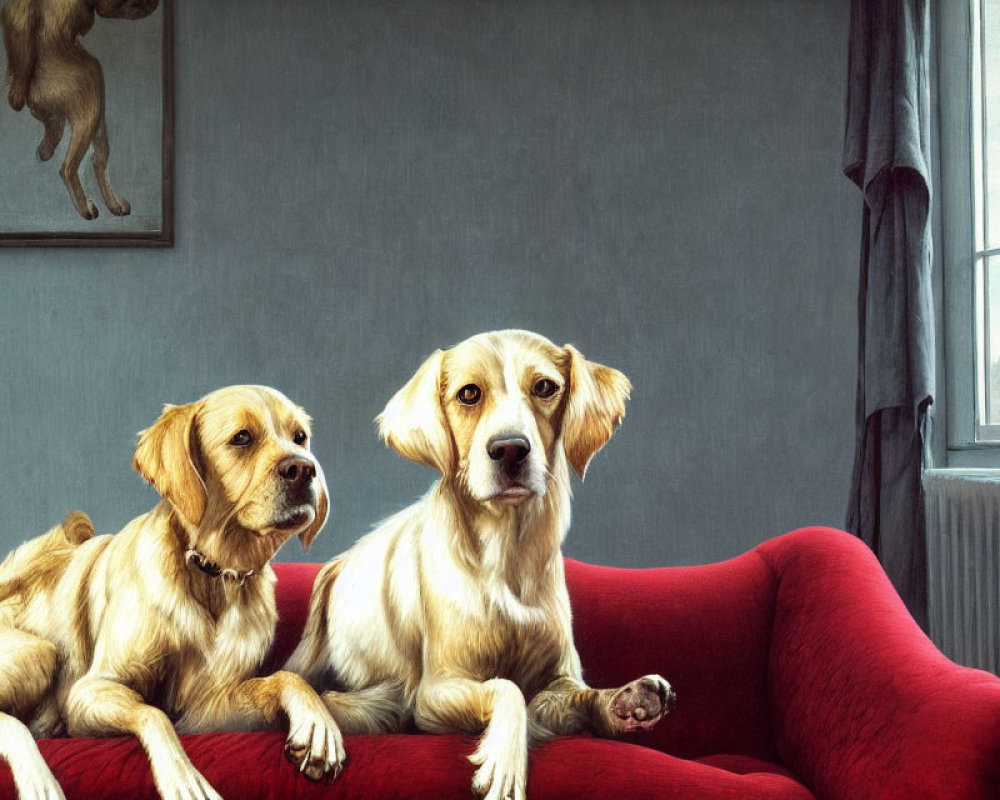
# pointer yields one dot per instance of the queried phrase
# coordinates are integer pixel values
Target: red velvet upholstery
(798, 674)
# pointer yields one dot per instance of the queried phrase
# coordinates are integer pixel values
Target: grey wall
(361, 182)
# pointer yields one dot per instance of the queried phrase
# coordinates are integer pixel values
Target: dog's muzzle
(297, 475)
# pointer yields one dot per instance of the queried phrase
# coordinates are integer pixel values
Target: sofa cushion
(251, 766)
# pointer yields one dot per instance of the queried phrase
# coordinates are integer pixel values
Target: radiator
(963, 564)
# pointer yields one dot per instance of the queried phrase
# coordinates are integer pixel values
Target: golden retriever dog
(51, 72)
(171, 618)
(456, 610)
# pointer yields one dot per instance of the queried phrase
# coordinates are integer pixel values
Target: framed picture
(86, 124)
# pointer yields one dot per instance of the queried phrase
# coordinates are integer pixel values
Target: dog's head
(125, 9)
(237, 457)
(497, 410)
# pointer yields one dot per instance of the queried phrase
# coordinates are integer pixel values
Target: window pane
(992, 343)
(991, 90)
(976, 51)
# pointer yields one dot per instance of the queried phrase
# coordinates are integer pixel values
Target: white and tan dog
(454, 613)
(171, 618)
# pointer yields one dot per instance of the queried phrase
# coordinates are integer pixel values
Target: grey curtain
(887, 154)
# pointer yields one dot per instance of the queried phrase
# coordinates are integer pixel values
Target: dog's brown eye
(241, 439)
(469, 394)
(300, 437)
(545, 388)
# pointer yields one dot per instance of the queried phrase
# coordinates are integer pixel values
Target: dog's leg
(100, 707)
(118, 206)
(27, 669)
(568, 706)
(83, 128)
(314, 744)
(497, 705)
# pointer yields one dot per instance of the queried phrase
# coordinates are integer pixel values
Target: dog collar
(213, 570)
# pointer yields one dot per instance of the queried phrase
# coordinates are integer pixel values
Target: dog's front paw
(17, 94)
(38, 787)
(503, 767)
(314, 743)
(639, 705)
(31, 774)
(497, 781)
(179, 779)
(46, 150)
(34, 781)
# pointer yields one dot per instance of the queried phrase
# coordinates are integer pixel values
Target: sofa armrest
(863, 705)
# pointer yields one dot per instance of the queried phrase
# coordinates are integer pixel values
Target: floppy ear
(164, 456)
(413, 422)
(596, 407)
(322, 509)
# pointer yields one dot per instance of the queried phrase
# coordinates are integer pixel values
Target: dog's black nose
(511, 449)
(296, 470)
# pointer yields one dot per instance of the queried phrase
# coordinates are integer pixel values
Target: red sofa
(798, 672)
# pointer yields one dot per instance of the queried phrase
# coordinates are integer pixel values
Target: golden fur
(50, 71)
(122, 634)
(454, 614)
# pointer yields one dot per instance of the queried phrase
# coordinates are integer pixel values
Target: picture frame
(39, 207)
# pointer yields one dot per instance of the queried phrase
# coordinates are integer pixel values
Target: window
(969, 247)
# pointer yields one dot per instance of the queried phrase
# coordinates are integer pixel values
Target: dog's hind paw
(120, 208)
(639, 705)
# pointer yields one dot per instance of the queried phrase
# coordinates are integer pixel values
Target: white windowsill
(963, 473)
